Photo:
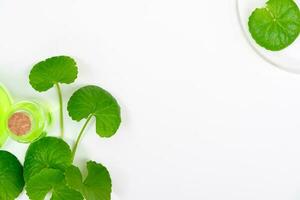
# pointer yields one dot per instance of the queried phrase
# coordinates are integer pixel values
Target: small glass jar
(27, 121)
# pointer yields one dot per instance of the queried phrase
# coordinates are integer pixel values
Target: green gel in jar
(27, 121)
(5, 105)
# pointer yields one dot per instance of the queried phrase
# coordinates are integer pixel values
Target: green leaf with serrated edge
(50, 180)
(60, 69)
(11, 176)
(48, 152)
(275, 26)
(95, 101)
(97, 185)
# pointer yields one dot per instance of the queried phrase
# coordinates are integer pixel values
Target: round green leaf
(48, 152)
(95, 101)
(60, 69)
(50, 180)
(97, 184)
(275, 26)
(11, 176)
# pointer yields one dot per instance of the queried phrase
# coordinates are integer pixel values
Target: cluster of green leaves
(48, 166)
(277, 25)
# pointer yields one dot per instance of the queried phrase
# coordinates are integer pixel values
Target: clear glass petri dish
(287, 59)
(36, 115)
(5, 105)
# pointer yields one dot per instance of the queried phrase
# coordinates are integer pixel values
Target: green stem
(61, 113)
(80, 135)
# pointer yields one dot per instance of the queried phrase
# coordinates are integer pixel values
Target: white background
(204, 118)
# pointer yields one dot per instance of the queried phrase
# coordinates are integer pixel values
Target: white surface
(203, 116)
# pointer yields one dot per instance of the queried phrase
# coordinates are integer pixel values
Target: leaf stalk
(79, 136)
(61, 114)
